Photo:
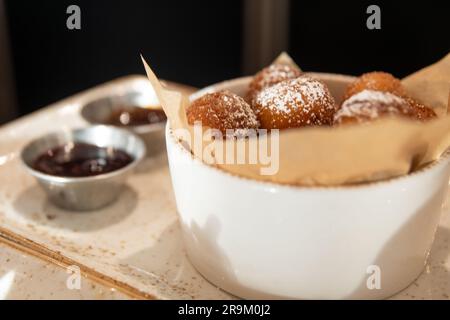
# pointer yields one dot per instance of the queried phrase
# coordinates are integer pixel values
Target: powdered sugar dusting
(223, 110)
(371, 104)
(277, 73)
(372, 95)
(297, 102)
(270, 76)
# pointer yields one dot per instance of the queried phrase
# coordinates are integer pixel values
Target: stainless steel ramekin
(98, 111)
(85, 193)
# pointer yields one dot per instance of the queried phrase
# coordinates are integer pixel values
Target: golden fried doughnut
(223, 110)
(269, 76)
(369, 105)
(421, 112)
(295, 103)
(378, 81)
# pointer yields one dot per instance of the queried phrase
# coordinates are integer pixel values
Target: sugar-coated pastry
(378, 81)
(421, 112)
(295, 103)
(269, 76)
(369, 105)
(223, 110)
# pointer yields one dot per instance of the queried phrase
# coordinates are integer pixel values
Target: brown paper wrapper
(431, 85)
(330, 156)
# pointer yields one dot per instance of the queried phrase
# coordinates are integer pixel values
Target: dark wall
(331, 36)
(199, 42)
(195, 42)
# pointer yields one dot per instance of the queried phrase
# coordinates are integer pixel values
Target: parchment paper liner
(341, 155)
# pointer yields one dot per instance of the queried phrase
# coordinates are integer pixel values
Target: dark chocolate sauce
(81, 160)
(136, 116)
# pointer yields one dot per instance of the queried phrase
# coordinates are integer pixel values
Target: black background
(200, 42)
(168, 309)
(332, 36)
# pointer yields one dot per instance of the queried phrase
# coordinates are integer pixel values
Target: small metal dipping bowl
(84, 193)
(99, 112)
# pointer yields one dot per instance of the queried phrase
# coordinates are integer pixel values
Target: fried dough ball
(223, 110)
(421, 112)
(369, 105)
(295, 103)
(269, 76)
(378, 81)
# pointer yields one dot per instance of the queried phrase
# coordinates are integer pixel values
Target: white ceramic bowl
(263, 240)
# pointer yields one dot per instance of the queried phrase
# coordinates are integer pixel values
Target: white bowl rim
(445, 156)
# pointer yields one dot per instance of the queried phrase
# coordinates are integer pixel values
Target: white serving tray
(134, 245)
(25, 276)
